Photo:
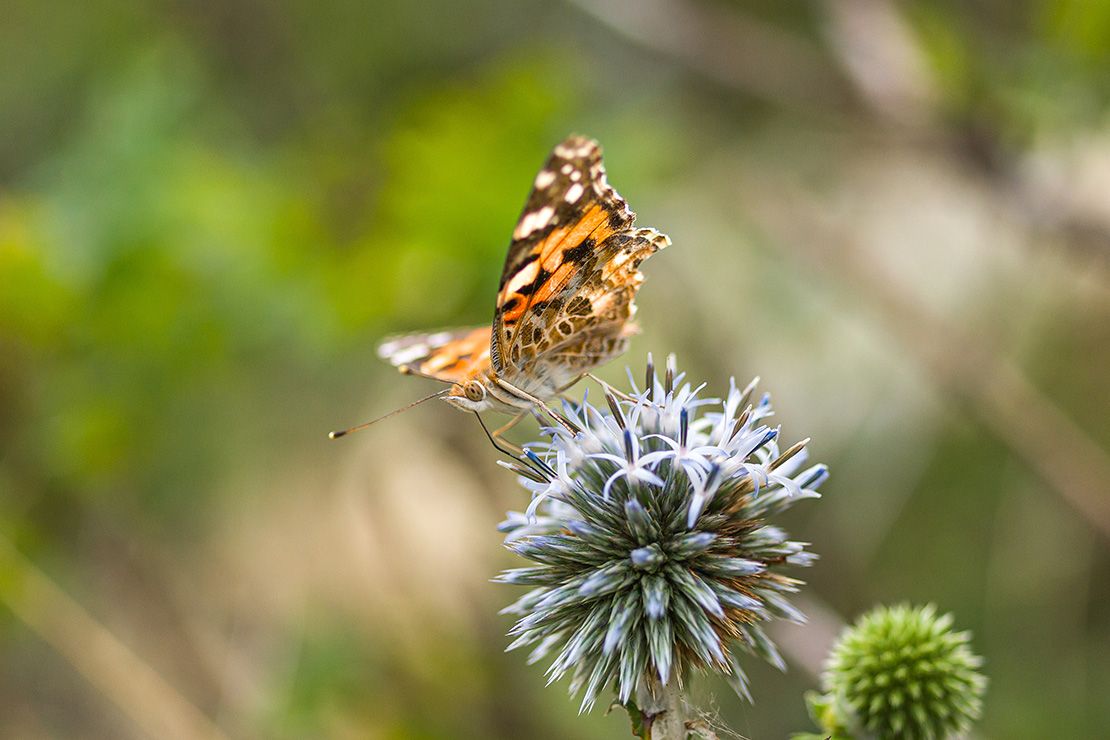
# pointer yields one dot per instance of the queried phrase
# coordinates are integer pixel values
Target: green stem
(661, 708)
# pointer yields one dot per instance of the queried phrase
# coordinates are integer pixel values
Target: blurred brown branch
(871, 71)
(877, 50)
(109, 665)
(729, 48)
(1072, 464)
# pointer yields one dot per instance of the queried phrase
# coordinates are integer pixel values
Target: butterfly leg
(566, 387)
(505, 448)
(496, 435)
(608, 388)
(569, 385)
(560, 391)
(567, 423)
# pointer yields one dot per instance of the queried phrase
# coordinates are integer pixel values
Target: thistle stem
(661, 708)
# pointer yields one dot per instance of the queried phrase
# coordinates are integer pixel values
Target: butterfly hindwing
(589, 321)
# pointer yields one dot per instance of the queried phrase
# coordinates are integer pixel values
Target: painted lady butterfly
(564, 305)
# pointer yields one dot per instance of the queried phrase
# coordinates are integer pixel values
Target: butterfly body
(564, 304)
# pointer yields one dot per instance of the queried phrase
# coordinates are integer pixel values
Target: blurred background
(895, 213)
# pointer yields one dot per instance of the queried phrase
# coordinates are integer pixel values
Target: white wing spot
(575, 176)
(439, 339)
(544, 178)
(408, 354)
(574, 192)
(386, 349)
(614, 265)
(601, 184)
(567, 168)
(533, 221)
(581, 151)
(522, 278)
(601, 302)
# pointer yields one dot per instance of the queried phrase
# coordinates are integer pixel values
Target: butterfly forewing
(452, 355)
(568, 185)
(571, 272)
(570, 210)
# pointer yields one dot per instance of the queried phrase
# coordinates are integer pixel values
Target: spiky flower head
(650, 537)
(900, 672)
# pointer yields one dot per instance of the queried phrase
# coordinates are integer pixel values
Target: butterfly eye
(474, 391)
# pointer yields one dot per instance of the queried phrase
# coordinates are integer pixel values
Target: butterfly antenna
(406, 370)
(337, 435)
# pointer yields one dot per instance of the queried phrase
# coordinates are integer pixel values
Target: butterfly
(564, 304)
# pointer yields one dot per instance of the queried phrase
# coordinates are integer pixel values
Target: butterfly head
(469, 395)
(483, 392)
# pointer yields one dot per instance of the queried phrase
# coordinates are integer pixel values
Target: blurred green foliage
(210, 212)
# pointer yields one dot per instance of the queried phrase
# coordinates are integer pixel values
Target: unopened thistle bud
(900, 673)
(650, 537)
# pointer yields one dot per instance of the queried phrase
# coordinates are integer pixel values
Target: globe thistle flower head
(901, 672)
(649, 537)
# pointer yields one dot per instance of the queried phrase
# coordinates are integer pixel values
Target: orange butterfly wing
(452, 355)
